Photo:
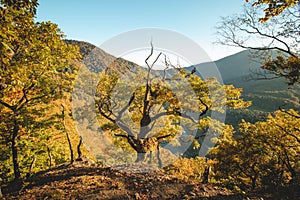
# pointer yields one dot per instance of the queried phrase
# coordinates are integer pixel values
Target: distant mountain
(237, 66)
(266, 95)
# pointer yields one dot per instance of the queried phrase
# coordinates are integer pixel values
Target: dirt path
(80, 181)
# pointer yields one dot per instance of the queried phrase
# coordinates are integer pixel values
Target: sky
(97, 21)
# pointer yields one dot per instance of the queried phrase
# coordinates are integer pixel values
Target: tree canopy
(265, 155)
(274, 7)
(146, 107)
(276, 39)
(35, 68)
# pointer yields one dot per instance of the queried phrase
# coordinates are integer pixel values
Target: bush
(189, 168)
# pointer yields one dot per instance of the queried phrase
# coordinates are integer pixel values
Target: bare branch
(262, 75)
(151, 53)
(167, 66)
(161, 114)
(124, 127)
(164, 136)
(34, 99)
(156, 59)
(237, 30)
(120, 113)
(182, 114)
(7, 105)
(121, 135)
(145, 120)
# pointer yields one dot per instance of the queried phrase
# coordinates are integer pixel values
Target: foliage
(145, 107)
(288, 68)
(274, 7)
(35, 69)
(280, 34)
(264, 156)
(189, 169)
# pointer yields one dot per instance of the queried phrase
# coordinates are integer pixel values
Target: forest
(156, 135)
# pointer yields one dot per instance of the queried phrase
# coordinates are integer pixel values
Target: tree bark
(15, 150)
(32, 164)
(142, 146)
(158, 157)
(150, 157)
(70, 147)
(140, 157)
(68, 137)
(31, 167)
(206, 175)
(79, 151)
(50, 157)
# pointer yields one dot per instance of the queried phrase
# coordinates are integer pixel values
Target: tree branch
(288, 133)
(164, 136)
(248, 24)
(7, 105)
(129, 139)
(120, 113)
(206, 108)
(106, 116)
(121, 135)
(293, 115)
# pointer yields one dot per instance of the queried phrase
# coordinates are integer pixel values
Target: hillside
(237, 69)
(98, 60)
(84, 181)
(266, 95)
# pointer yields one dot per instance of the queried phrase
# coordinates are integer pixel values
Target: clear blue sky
(96, 21)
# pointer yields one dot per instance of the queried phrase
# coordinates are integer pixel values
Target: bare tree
(280, 34)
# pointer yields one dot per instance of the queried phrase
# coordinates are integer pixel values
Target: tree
(279, 33)
(145, 107)
(264, 156)
(35, 69)
(274, 7)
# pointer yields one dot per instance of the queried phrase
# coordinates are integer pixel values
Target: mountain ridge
(266, 95)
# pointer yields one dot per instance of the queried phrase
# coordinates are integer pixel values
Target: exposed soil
(83, 181)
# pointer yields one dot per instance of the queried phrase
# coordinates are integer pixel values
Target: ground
(85, 181)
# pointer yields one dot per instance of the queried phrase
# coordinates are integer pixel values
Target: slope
(266, 95)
